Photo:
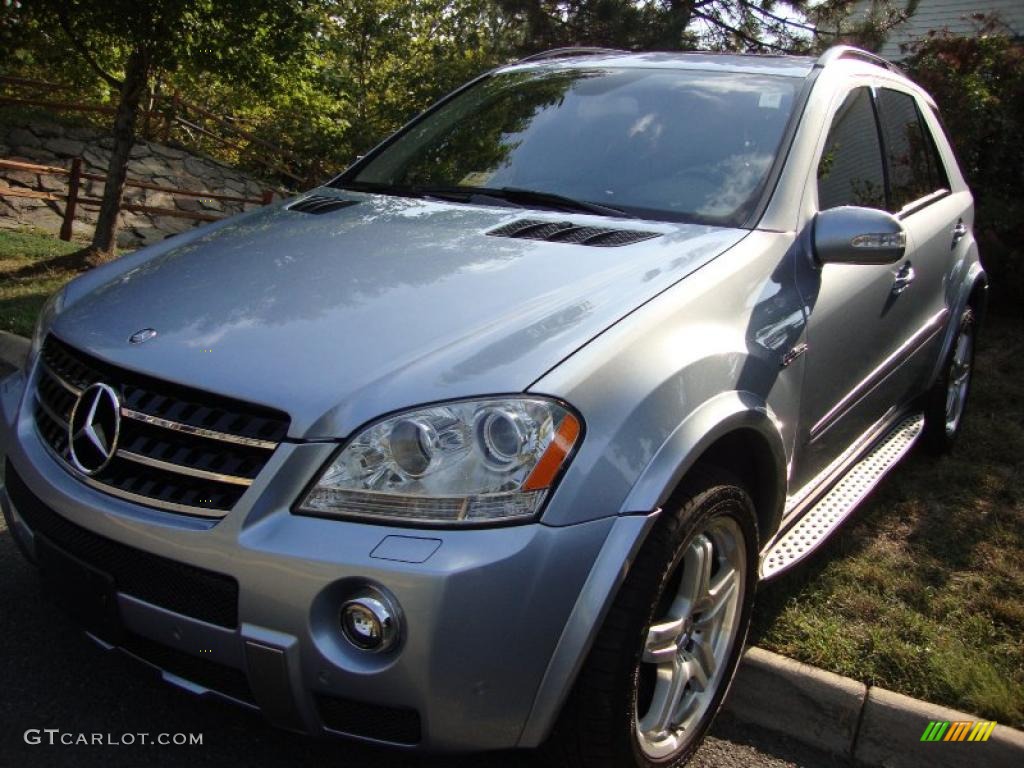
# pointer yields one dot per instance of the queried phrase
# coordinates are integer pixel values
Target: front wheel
(663, 660)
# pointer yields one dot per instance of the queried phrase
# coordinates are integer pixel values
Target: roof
(759, 64)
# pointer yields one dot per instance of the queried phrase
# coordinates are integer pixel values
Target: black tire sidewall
(719, 500)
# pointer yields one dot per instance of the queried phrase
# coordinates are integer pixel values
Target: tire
(946, 401)
(611, 719)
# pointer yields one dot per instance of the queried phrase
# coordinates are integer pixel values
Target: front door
(859, 315)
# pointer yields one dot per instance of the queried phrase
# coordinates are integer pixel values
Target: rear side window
(850, 171)
(915, 168)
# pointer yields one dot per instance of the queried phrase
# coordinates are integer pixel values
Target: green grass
(922, 592)
(21, 297)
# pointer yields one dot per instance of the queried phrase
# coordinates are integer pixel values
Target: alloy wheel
(687, 646)
(959, 378)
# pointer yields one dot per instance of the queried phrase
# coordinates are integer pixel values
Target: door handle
(903, 279)
(959, 231)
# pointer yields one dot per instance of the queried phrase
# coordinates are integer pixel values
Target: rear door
(919, 196)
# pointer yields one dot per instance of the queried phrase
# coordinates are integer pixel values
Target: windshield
(657, 143)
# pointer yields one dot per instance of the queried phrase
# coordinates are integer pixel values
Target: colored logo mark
(943, 730)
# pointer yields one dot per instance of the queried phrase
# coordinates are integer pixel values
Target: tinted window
(850, 171)
(914, 167)
(691, 146)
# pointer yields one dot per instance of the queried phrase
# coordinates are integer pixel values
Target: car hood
(338, 318)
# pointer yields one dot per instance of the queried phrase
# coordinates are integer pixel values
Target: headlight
(461, 463)
(50, 310)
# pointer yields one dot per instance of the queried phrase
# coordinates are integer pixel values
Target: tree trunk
(136, 79)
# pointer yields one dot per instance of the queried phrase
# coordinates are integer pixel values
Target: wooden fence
(72, 198)
(162, 113)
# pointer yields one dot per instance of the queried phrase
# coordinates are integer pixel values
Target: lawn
(922, 592)
(21, 294)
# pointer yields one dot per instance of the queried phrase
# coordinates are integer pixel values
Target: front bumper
(485, 611)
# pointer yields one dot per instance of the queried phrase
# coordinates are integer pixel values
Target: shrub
(978, 83)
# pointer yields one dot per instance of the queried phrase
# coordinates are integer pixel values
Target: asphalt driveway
(52, 676)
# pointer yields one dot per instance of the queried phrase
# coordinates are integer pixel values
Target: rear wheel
(947, 400)
(664, 658)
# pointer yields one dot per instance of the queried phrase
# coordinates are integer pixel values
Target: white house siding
(954, 15)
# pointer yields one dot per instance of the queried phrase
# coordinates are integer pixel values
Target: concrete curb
(871, 725)
(13, 348)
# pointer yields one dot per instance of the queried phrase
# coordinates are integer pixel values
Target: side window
(850, 171)
(915, 169)
(939, 177)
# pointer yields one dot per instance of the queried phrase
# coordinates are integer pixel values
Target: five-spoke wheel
(685, 649)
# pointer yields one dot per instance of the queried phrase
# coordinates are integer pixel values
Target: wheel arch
(736, 432)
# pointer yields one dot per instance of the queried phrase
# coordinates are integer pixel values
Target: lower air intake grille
(371, 721)
(567, 232)
(184, 589)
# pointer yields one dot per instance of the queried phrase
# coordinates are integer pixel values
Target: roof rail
(558, 53)
(837, 52)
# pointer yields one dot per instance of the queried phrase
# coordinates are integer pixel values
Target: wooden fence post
(268, 196)
(72, 199)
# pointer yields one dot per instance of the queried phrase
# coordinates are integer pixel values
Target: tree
(125, 43)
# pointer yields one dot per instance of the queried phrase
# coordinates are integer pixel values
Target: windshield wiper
(552, 200)
(515, 195)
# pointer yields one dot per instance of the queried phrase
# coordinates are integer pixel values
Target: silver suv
(487, 442)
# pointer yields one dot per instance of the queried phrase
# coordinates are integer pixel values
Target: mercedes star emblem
(141, 337)
(94, 427)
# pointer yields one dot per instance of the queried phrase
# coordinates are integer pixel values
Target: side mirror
(851, 235)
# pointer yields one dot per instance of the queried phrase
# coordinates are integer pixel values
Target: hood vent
(320, 204)
(567, 232)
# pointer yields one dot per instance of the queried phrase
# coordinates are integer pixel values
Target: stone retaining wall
(51, 143)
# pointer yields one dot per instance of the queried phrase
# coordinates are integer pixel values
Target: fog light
(370, 623)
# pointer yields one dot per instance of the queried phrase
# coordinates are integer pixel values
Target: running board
(818, 522)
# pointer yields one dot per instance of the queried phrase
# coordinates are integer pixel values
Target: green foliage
(328, 79)
(978, 83)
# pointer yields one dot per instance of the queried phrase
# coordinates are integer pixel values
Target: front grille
(372, 721)
(209, 674)
(181, 588)
(179, 449)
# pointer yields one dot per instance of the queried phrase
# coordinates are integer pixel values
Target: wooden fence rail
(73, 198)
(175, 111)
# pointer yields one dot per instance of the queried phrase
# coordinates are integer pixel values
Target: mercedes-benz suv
(487, 442)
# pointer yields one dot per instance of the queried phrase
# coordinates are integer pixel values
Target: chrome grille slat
(188, 429)
(57, 418)
(67, 385)
(182, 469)
(180, 450)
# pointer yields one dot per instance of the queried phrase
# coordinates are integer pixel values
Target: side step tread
(839, 502)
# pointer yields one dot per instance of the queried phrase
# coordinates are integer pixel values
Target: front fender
(721, 415)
